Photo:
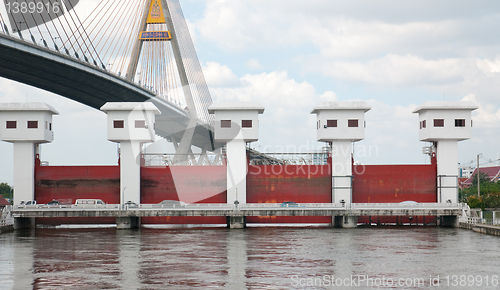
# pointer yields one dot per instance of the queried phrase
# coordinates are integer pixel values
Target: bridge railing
(6, 218)
(319, 158)
(483, 221)
(66, 206)
(194, 159)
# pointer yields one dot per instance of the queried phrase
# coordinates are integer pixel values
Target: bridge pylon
(156, 16)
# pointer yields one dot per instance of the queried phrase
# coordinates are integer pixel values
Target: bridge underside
(90, 85)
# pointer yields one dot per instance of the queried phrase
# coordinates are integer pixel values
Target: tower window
(331, 123)
(140, 124)
(225, 123)
(246, 123)
(459, 122)
(118, 124)
(352, 123)
(438, 122)
(32, 124)
(11, 124)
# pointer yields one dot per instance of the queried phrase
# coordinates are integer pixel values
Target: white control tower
(26, 125)
(130, 124)
(236, 124)
(445, 123)
(341, 123)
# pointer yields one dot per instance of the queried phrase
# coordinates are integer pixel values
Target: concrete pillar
(236, 171)
(131, 222)
(130, 172)
(447, 160)
(345, 221)
(24, 172)
(236, 222)
(342, 171)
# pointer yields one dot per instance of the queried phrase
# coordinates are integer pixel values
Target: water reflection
(255, 258)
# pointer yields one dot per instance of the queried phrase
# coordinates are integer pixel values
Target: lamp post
(478, 186)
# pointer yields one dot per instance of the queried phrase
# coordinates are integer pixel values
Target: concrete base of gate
(24, 223)
(449, 221)
(344, 221)
(236, 222)
(132, 222)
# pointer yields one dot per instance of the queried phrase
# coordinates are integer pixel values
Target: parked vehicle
(54, 202)
(89, 202)
(130, 204)
(29, 202)
(172, 203)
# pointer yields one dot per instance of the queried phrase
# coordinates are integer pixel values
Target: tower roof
(344, 105)
(235, 106)
(446, 105)
(31, 106)
(129, 106)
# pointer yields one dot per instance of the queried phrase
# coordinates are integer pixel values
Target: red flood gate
(394, 184)
(190, 184)
(298, 183)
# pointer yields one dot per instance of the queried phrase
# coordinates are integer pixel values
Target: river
(254, 258)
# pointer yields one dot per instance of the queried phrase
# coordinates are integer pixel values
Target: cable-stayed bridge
(124, 51)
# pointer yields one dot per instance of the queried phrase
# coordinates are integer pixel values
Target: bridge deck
(243, 210)
(83, 82)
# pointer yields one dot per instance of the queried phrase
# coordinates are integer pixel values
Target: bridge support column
(128, 222)
(449, 221)
(345, 221)
(342, 171)
(236, 222)
(236, 172)
(24, 223)
(130, 172)
(447, 160)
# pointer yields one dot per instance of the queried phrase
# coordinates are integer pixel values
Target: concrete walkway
(480, 228)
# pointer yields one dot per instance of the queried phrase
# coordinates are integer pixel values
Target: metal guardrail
(352, 206)
(198, 159)
(482, 221)
(6, 218)
(319, 158)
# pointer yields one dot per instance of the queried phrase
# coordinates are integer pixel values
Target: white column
(447, 170)
(342, 171)
(236, 171)
(130, 171)
(24, 172)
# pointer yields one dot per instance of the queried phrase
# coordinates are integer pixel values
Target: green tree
(5, 190)
(489, 193)
(483, 177)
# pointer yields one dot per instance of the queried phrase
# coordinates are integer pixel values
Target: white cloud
(218, 75)
(396, 70)
(253, 64)
(286, 119)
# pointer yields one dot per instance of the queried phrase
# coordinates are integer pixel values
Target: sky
(291, 55)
